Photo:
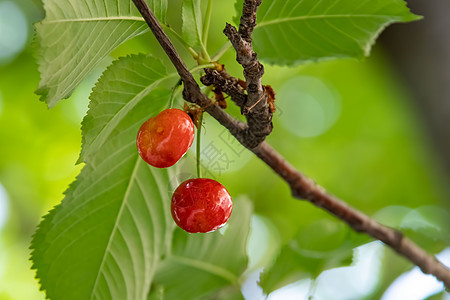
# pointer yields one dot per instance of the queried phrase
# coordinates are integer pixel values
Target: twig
(192, 92)
(248, 19)
(301, 186)
(227, 84)
(256, 111)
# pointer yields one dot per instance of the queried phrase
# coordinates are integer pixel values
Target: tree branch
(225, 83)
(301, 186)
(256, 110)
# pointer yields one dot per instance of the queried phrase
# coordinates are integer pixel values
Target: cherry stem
(199, 134)
(178, 85)
(174, 93)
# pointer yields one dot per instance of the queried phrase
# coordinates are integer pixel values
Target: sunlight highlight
(415, 285)
(3, 206)
(312, 107)
(13, 31)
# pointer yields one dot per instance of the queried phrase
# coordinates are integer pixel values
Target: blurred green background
(355, 127)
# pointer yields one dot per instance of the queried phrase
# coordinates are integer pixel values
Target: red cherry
(201, 205)
(164, 139)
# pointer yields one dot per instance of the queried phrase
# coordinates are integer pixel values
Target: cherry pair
(198, 205)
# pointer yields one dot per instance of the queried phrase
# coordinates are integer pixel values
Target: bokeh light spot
(258, 241)
(356, 281)
(309, 107)
(3, 206)
(13, 31)
(220, 152)
(294, 291)
(250, 288)
(415, 284)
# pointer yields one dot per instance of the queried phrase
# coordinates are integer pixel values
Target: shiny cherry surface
(201, 205)
(164, 139)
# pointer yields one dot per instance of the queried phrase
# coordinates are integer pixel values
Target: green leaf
(192, 22)
(77, 35)
(289, 32)
(323, 244)
(428, 226)
(104, 240)
(127, 82)
(206, 265)
(113, 231)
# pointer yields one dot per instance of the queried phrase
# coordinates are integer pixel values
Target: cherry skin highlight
(164, 139)
(201, 205)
